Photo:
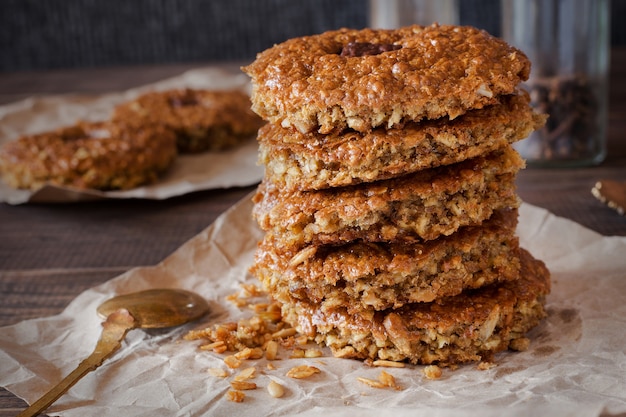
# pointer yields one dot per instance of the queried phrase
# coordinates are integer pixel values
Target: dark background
(50, 34)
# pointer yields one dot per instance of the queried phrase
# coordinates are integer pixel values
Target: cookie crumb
(519, 345)
(484, 366)
(235, 396)
(432, 372)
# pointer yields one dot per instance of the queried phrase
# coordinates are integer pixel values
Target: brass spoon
(149, 309)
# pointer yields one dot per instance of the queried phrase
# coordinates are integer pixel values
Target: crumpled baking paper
(575, 366)
(209, 170)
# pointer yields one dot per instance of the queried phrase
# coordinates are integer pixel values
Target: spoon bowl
(151, 309)
(157, 308)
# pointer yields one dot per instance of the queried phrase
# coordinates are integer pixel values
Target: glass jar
(392, 14)
(567, 42)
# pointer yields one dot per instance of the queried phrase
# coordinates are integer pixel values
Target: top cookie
(362, 79)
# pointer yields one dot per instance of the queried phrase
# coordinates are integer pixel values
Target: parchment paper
(575, 366)
(189, 173)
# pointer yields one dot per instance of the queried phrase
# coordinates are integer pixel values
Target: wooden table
(49, 253)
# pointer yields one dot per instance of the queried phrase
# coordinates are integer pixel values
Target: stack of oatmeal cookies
(389, 200)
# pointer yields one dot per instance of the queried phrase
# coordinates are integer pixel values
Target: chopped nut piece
(302, 256)
(271, 350)
(259, 307)
(288, 342)
(236, 300)
(483, 90)
(243, 354)
(247, 373)
(297, 353)
(220, 349)
(484, 366)
(372, 383)
(243, 385)
(275, 306)
(235, 396)
(257, 353)
(232, 362)
(275, 389)
(312, 353)
(196, 334)
(388, 364)
(271, 316)
(212, 346)
(387, 379)
(302, 371)
(218, 372)
(270, 366)
(302, 340)
(251, 290)
(432, 372)
(284, 333)
(344, 352)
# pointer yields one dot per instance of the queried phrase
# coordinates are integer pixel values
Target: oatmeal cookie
(364, 277)
(100, 155)
(419, 206)
(361, 79)
(472, 326)
(203, 120)
(313, 161)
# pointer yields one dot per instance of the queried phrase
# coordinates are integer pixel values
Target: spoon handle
(114, 329)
